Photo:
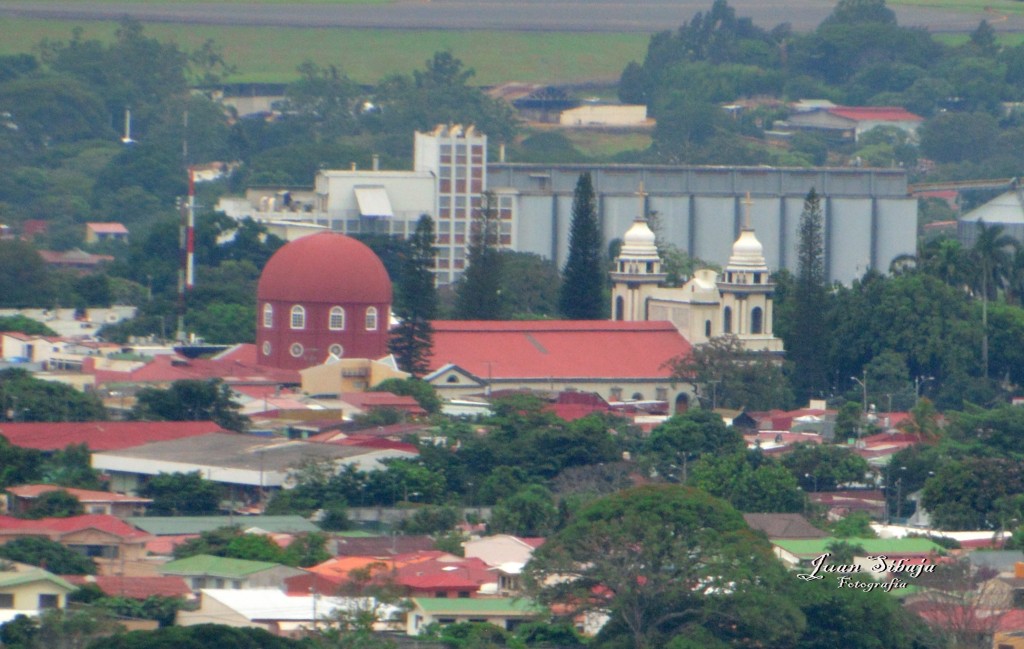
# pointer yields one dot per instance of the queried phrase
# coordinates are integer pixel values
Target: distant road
(644, 16)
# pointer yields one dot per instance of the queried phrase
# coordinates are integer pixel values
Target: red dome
(325, 267)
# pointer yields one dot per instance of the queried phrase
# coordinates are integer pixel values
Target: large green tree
(181, 494)
(55, 557)
(416, 302)
(191, 400)
(583, 278)
(667, 562)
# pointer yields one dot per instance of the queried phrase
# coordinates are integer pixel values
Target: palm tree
(946, 259)
(992, 254)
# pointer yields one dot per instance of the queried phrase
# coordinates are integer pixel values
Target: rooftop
(101, 435)
(178, 525)
(488, 606)
(557, 349)
(206, 564)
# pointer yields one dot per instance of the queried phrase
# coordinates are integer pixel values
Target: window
(48, 601)
(620, 308)
(756, 320)
(661, 394)
(442, 594)
(336, 350)
(707, 328)
(266, 348)
(298, 317)
(268, 316)
(371, 318)
(295, 350)
(337, 319)
(6, 600)
(727, 320)
(616, 394)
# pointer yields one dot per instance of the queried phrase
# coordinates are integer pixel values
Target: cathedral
(736, 301)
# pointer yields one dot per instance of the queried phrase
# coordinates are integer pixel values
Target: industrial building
(869, 217)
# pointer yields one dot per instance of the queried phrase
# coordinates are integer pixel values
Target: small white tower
(637, 270)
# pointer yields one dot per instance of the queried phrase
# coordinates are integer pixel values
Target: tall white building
(457, 157)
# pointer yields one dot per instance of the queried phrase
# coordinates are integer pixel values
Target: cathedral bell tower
(637, 272)
(746, 290)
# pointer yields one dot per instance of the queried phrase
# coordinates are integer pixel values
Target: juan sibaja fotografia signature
(882, 565)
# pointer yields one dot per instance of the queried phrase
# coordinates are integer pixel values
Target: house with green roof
(504, 612)
(28, 590)
(208, 571)
(800, 553)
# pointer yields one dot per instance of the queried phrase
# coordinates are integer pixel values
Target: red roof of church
(326, 267)
(875, 113)
(101, 435)
(558, 349)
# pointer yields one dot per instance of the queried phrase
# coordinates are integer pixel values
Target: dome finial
(746, 212)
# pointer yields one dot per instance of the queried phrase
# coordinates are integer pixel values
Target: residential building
(207, 571)
(20, 499)
(134, 587)
(281, 614)
(117, 547)
(101, 232)
(505, 613)
(784, 526)
(472, 357)
(501, 549)
(28, 590)
(338, 375)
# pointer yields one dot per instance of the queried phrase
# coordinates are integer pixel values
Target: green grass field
(264, 54)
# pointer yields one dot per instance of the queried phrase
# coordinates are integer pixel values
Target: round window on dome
(266, 348)
(295, 350)
(336, 350)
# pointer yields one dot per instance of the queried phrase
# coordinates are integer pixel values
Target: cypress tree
(582, 295)
(808, 345)
(478, 296)
(416, 302)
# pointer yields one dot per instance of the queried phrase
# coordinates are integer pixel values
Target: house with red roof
(623, 360)
(115, 546)
(135, 587)
(99, 232)
(20, 499)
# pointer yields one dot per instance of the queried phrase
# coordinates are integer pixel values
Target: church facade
(737, 301)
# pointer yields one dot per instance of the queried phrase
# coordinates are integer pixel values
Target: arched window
(337, 319)
(371, 318)
(707, 328)
(268, 316)
(298, 317)
(756, 320)
(620, 308)
(727, 320)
